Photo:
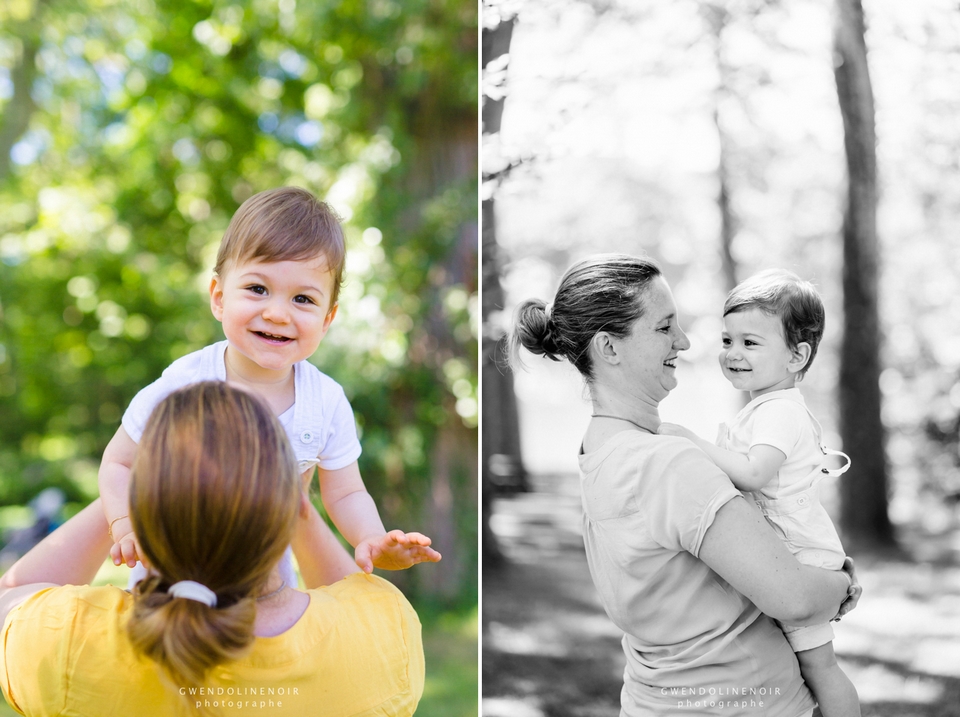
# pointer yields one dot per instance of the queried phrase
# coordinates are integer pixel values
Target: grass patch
(450, 646)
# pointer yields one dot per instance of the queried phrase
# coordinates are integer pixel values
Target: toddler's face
(274, 313)
(755, 356)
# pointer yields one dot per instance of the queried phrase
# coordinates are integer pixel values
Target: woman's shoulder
(641, 465)
(364, 625)
(654, 450)
(359, 592)
(67, 601)
(364, 604)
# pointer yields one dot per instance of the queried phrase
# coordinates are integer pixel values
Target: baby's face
(274, 313)
(755, 356)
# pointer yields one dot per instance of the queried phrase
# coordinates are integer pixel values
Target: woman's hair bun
(603, 292)
(534, 330)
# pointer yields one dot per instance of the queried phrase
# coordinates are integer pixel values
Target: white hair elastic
(193, 591)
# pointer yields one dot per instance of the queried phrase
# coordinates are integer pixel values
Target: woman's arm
(71, 555)
(742, 549)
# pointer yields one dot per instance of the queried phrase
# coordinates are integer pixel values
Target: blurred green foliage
(147, 125)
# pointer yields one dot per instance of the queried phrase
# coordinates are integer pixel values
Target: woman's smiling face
(649, 352)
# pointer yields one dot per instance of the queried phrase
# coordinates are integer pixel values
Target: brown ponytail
(213, 499)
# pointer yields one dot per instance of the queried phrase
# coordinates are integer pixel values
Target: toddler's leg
(832, 689)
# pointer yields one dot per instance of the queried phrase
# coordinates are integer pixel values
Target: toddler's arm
(747, 472)
(355, 514)
(114, 482)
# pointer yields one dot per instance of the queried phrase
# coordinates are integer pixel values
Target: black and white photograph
(720, 360)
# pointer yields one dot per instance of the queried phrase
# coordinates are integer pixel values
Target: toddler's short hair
(782, 293)
(285, 224)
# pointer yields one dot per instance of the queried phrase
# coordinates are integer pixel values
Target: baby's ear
(800, 357)
(216, 297)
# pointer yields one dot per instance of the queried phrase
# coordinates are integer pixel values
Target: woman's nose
(681, 342)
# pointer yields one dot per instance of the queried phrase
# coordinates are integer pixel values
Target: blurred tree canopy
(129, 134)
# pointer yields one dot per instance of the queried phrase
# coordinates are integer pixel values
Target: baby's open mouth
(272, 337)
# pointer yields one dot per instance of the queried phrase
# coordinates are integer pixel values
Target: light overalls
(791, 502)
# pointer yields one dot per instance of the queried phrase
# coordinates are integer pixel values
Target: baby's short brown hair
(285, 224)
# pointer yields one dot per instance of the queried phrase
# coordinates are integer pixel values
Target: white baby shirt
(320, 424)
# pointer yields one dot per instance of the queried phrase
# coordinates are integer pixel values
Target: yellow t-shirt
(356, 651)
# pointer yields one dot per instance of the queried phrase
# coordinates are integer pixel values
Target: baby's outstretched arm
(749, 471)
(114, 483)
(355, 514)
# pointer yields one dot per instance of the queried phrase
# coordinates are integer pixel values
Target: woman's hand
(854, 592)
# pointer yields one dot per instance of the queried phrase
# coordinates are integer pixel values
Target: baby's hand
(126, 550)
(395, 550)
(672, 429)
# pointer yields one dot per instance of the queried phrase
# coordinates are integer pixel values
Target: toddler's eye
(726, 343)
(257, 289)
(303, 299)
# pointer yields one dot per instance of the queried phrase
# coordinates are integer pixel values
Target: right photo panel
(721, 358)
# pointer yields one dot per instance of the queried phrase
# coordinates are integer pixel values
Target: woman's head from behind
(603, 292)
(214, 499)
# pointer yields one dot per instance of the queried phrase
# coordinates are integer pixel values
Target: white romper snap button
(306, 436)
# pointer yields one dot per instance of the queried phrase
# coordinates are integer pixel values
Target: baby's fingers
(363, 557)
(429, 555)
(128, 551)
(395, 537)
(418, 539)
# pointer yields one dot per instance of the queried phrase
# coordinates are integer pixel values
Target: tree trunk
(500, 460)
(864, 488)
(19, 108)
(717, 17)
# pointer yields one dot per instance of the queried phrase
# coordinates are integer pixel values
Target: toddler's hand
(395, 550)
(672, 429)
(126, 550)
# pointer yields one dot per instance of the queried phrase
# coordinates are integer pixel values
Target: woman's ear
(800, 357)
(604, 348)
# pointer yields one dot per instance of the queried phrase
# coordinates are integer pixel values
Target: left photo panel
(239, 301)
